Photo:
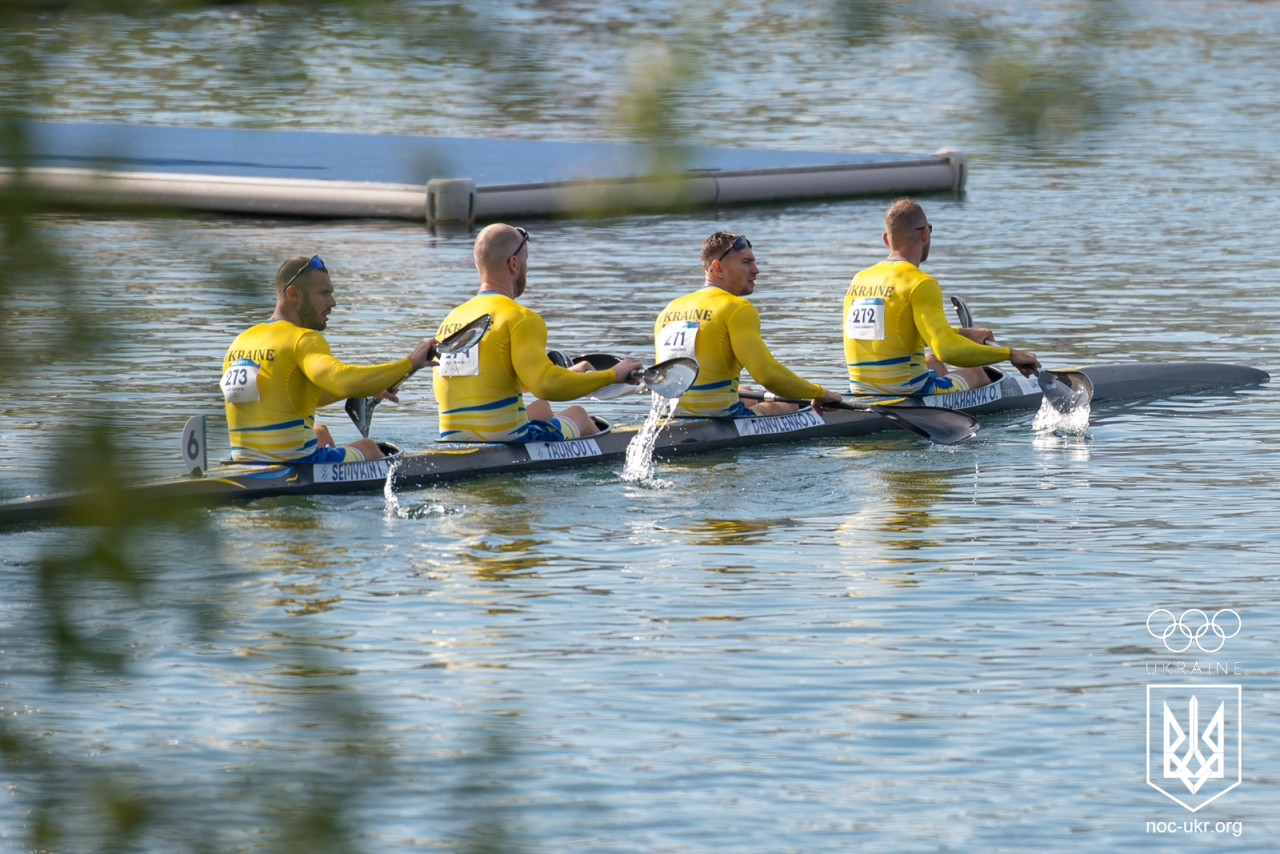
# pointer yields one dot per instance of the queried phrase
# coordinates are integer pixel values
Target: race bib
(677, 340)
(240, 381)
(865, 320)
(465, 363)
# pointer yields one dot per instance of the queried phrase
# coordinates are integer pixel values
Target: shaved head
(502, 258)
(495, 244)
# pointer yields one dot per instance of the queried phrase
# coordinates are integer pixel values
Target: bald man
(480, 391)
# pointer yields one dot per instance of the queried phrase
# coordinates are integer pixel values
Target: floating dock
(433, 179)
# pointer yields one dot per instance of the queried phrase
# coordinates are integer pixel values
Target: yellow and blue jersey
(892, 311)
(722, 332)
(480, 393)
(275, 374)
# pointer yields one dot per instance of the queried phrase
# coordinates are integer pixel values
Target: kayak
(447, 462)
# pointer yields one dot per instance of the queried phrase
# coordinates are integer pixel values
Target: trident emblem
(1191, 765)
(1193, 741)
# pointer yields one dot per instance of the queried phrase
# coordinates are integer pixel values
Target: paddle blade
(1065, 390)
(360, 411)
(613, 390)
(597, 361)
(466, 337)
(938, 425)
(604, 362)
(671, 378)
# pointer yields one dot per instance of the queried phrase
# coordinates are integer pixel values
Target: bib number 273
(240, 381)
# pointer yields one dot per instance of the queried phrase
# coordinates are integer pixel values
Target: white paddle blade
(613, 390)
(195, 453)
(671, 378)
(466, 337)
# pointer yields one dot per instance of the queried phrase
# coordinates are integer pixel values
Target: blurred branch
(1036, 92)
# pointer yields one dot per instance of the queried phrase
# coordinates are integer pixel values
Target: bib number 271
(677, 339)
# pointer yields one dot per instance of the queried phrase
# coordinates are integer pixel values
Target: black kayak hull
(446, 463)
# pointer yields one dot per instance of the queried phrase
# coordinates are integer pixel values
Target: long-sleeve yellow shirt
(724, 331)
(275, 374)
(892, 311)
(480, 393)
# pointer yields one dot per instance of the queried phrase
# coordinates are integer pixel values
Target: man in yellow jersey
(893, 310)
(720, 328)
(276, 373)
(480, 391)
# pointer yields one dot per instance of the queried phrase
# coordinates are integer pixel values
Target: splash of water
(640, 467)
(392, 507)
(1049, 420)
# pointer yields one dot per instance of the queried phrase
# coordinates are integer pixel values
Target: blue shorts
(558, 429)
(331, 455)
(739, 410)
(943, 385)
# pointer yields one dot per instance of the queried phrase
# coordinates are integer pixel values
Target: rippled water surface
(821, 647)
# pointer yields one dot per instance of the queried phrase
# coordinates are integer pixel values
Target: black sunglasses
(927, 225)
(739, 242)
(524, 234)
(314, 264)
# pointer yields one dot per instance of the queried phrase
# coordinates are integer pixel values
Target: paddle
(360, 409)
(1065, 390)
(668, 379)
(938, 425)
(671, 378)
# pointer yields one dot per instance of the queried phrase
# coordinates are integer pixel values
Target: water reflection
(906, 504)
(500, 532)
(734, 532)
(494, 561)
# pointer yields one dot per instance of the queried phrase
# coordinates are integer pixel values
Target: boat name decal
(778, 423)
(569, 450)
(345, 472)
(965, 399)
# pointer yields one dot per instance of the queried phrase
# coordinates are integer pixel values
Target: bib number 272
(865, 319)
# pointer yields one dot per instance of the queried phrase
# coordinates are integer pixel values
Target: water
(873, 643)
(640, 465)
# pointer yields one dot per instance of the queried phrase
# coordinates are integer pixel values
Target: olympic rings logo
(1193, 626)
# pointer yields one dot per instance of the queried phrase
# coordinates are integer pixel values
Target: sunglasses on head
(524, 239)
(739, 242)
(314, 264)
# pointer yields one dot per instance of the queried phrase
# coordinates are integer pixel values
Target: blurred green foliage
(1034, 91)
